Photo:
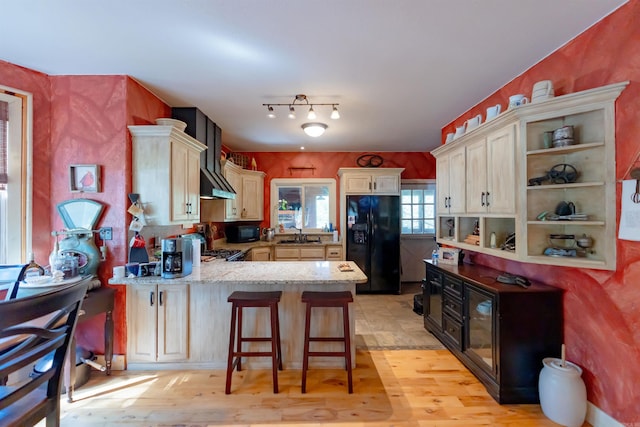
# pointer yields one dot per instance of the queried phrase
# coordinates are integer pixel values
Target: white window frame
(298, 182)
(19, 203)
(416, 183)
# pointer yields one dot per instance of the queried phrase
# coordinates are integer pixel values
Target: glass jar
(69, 266)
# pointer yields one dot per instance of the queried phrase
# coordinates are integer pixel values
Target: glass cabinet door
(480, 335)
(432, 298)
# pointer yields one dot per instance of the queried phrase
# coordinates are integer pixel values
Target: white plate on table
(47, 282)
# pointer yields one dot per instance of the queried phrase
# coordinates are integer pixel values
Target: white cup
(493, 111)
(517, 100)
(118, 272)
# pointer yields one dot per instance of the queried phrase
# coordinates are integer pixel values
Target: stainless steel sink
(303, 242)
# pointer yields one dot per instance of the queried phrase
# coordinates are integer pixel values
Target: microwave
(242, 233)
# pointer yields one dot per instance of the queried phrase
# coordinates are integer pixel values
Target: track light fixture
(270, 113)
(314, 129)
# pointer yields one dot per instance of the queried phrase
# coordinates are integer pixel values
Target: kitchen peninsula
(184, 323)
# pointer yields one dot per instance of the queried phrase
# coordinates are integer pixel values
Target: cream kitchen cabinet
(166, 174)
(304, 252)
(333, 252)
(370, 181)
(260, 254)
(526, 182)
(252, 196)
(157, 323)
(592, 192)
(490, 172)
(249, 202)
(450, 181)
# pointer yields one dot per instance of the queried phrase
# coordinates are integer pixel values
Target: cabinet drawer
(312, 253)
(334, 253)
(434, 276)
(453, 286)
(287, 253)
(452, 305)
(453, 330)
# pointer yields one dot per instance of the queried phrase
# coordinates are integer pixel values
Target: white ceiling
(400, 69)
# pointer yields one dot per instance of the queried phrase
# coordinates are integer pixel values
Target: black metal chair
(10, 278)
(30, 329)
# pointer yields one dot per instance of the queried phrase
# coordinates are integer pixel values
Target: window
(418, 206)
(15, 177)
(303, 203)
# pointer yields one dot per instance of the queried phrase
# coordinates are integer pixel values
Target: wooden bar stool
(327, 299)
(240, 300)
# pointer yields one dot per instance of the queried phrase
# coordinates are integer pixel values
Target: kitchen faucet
(300, 237)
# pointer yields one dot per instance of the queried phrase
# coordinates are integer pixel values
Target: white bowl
(178, 124)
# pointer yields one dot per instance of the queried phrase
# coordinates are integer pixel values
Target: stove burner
(227, 254)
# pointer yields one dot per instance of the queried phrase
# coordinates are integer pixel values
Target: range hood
(213, 185)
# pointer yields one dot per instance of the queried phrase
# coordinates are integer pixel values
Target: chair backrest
(10, 278)
(32, 328)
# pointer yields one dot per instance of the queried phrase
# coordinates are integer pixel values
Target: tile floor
(389, 322)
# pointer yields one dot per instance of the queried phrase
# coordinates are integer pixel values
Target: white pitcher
(473, 122)
(449, 137)
(517, 100)
(460, 131)
(493, 111)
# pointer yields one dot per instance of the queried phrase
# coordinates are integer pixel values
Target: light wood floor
(396, 383)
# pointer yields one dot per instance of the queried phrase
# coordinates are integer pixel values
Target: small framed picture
(84, 178)
(449, 255)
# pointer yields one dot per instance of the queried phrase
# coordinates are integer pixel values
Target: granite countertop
(260, 272)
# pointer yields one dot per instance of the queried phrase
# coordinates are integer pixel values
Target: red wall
(276, 165)
(83, 120)
(602, 317)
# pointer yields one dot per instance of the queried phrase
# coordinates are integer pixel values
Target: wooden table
(99, 300)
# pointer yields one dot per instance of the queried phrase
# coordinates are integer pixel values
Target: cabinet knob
(487, 198)
(151, 298)
(482, 199)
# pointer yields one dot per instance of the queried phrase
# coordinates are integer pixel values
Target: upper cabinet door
(166, 174)
(501, 167)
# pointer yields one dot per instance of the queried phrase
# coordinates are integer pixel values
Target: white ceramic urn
(563, 395)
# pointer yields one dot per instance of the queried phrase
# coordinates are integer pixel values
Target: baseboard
(117, 363)
(598, 418)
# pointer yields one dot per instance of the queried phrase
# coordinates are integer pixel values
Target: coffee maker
(177, 257)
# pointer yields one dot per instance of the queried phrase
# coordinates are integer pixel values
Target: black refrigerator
(373, 241)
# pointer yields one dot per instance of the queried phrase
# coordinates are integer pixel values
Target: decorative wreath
(369, 161)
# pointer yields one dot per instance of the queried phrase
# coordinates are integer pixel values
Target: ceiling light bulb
(334, 113)
(314, 129)
(312, 114)
(292, 112)
(271, 114)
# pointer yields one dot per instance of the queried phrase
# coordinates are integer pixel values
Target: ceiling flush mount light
(314, 129)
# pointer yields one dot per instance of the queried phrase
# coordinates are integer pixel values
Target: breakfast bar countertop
(183, 323)
(261, 273)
